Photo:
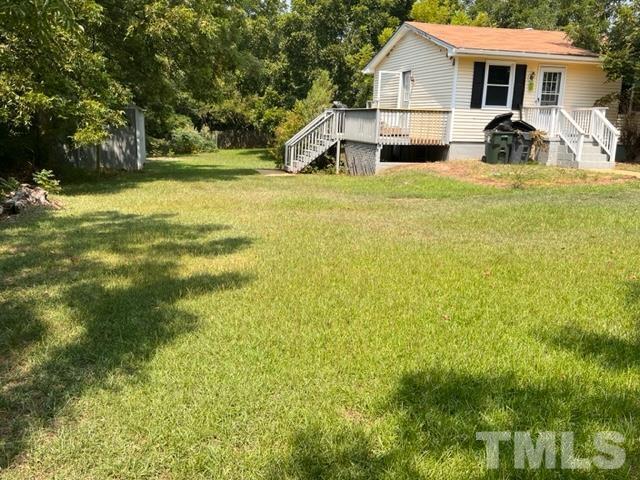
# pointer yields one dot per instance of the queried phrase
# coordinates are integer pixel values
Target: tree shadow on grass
(436, 414)
(176, 170)
(260, 153)
(609, 351)
(119, 280)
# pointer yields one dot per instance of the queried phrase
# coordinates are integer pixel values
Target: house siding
(431, 69)
(584, 85)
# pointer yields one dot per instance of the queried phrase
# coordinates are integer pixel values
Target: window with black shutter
(497, 89)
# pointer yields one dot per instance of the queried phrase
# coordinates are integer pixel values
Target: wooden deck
(394, 127)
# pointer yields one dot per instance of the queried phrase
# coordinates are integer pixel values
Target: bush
(318, 99)
(630, 137)
(183, 140)
(158, 147)
(46, 179)
(8, 185)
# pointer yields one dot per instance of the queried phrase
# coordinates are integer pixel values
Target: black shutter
(478, 84)
(518, 87)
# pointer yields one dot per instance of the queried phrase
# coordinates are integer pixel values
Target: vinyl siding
(584, 85)
(431, 69)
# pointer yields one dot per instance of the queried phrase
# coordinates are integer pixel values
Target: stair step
(594, 158)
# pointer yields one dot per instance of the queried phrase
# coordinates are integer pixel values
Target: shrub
(630, 137)
(158, 147)
(46, 179)
(318, 99)
(189, 140)
(183, 140)
(8, 185)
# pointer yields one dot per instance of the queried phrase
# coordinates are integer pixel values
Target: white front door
(551, 86)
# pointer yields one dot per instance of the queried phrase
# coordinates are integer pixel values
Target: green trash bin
(497, 147)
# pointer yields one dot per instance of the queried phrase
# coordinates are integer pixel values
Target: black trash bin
(507, 141)
(522, 142)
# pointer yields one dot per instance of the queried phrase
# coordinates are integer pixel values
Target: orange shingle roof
(503, 39)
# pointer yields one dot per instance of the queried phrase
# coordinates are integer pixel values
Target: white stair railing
(605, 133)
(312, 141)
(569, 131)
(543, 118)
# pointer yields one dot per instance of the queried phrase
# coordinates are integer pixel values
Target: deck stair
(312, 141)
(593, 156)
(587, 139)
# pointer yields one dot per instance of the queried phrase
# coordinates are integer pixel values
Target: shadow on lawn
(610, 351)
(177, 170)
(118, 279)
(436, 414)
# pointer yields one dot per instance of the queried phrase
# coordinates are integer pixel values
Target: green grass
(198, 320)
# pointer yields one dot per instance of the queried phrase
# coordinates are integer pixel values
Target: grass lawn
(633, 167)
(198, 320)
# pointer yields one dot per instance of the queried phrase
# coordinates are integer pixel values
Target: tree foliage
(318, 99)
(68, 67)
(52, 77)
(445, 11)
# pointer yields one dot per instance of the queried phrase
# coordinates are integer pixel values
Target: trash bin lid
(503, 117)
(523, 126)
(504, 127)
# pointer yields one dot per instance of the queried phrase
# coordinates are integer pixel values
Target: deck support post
(338, 157)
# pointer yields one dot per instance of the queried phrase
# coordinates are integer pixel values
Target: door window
(550, 88)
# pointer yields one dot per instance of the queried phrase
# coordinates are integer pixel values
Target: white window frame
(563, 82)
(512, 68)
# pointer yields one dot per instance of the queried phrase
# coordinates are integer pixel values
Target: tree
(317, 100)
(443, 11)
(622, 62)
(53, 80)
(173, 56)
(431, 11)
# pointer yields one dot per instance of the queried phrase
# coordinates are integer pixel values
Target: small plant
(519, 178)
(8, 185)
(46, 180)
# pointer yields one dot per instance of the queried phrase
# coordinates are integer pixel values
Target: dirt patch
(515, 176)
(352, 415)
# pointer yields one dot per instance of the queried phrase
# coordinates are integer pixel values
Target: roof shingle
(503, 39)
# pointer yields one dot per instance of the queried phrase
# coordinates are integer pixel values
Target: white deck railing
(377, 126)
(543, 118)
(569, 131)
(359, 125)
(574, 125)
(603, 132)
(311, 141)
(582, 116)
(396, 127)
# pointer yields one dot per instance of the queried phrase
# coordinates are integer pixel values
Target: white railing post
(286, 155)
(580, 147)
(554, 122)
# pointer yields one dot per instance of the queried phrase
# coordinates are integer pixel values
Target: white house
(437, 86)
